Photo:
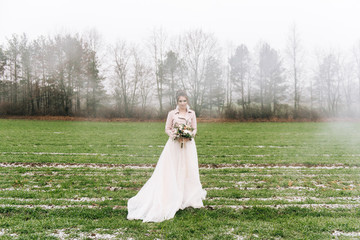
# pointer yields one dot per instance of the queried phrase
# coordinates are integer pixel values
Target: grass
(265, 181)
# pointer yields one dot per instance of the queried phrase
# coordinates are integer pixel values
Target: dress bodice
(174, 117)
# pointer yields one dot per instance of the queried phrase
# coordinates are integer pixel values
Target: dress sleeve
(168, 126)
(194, 123)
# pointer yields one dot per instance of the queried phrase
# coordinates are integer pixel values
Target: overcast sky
(322, 23)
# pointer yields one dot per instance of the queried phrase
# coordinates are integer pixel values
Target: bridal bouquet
(183, 131)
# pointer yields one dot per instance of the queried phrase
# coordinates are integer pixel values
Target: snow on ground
(347, 234)
(202, 166)
(65, 233)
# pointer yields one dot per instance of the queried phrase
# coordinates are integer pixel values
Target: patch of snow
(348, 234)
(290, 199)
(43, 206)
(277, 206)
(5, 232)
(202, 166)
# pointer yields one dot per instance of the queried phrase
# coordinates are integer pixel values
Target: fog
(236, 59)
(323, 23)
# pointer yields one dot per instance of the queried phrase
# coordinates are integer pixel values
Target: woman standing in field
(175, 182)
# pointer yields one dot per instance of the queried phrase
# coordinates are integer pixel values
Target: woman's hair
(181, 93)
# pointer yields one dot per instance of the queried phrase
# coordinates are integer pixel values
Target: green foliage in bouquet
(183, 131)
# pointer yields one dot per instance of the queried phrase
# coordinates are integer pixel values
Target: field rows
(137, 166)
(72, 180)
(301, 185)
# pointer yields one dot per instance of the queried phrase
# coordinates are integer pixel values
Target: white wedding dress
(174, 184)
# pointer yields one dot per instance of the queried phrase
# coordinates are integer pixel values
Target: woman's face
(182, 102)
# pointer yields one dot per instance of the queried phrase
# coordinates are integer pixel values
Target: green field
(67, 180)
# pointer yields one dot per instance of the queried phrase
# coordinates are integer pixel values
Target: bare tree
(157, 45)
(227, 75)
(137, 75)
(122, 55)
(294, 52)
(240, 73)
(328, 83)
(199, 47)
(347, 78)
(143, 77)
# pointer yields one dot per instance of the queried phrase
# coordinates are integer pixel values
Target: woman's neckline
(183, 115)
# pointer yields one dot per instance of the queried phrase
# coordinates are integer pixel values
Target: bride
(175, 182)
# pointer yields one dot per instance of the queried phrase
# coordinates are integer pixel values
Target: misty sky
(322, 23)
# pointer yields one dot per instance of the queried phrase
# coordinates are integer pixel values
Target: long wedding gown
(175, 182)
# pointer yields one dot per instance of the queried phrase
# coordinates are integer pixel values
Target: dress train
(174, 184)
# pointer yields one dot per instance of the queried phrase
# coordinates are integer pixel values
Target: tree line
(78, 75)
